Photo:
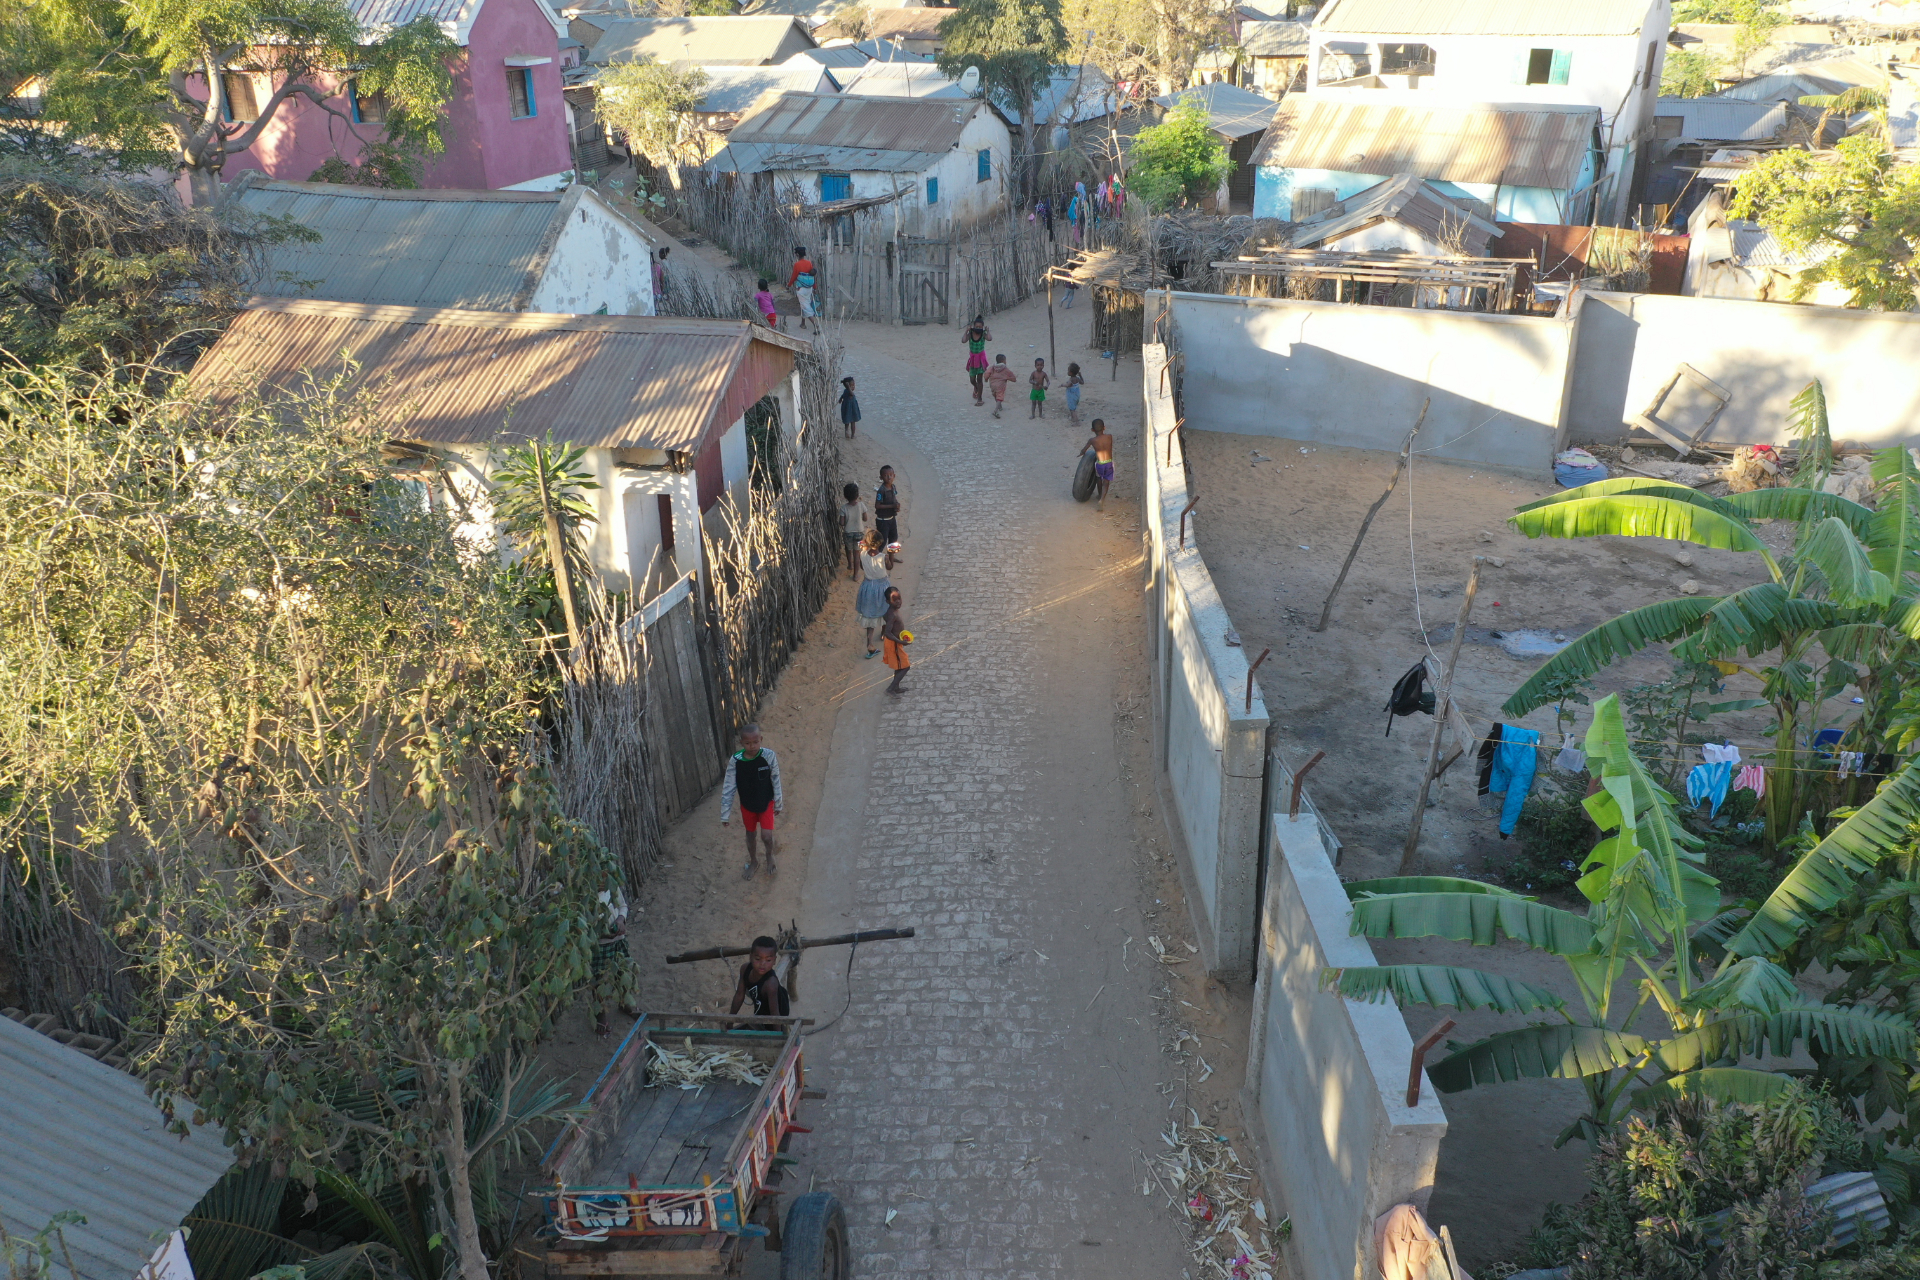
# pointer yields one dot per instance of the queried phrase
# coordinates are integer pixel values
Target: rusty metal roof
(699, 40)
(1485, 17)
(479, 249)
(812, 131)
(1519, 146)
(489, 377)
(83, 1137)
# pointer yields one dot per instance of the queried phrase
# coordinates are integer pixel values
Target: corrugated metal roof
(1412, 202)
(1075, 94)
(1485, 17)
(84, 1137)
(737, 88)
(831, 131)
(697, 41)
(1513, 146)
(919, 23)
(397, 13)
(900, 80)
(1275, 39)
(1723, 119)
(478, 249)
(1233, 112)
(460, 377)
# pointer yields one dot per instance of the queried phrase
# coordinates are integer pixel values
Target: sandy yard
(1277, 518)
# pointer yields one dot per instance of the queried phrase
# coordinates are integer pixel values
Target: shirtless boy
(1101, 444)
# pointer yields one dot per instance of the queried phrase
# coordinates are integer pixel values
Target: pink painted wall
(486, 148)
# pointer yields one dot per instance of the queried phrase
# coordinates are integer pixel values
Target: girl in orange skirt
(894, 638)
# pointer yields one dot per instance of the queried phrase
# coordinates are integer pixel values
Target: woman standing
(871, 604)
(977, 336)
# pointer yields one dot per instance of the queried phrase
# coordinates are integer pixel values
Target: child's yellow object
(906, 637)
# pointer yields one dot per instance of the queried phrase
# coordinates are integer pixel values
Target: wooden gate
(923, 279)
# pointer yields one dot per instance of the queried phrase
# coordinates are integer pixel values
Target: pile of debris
(1761, 466)
(1229, 1235)
(692, 1068)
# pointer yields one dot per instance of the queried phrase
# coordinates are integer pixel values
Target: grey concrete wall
(1356, 376)
(1329, 1075)
(1763, 352)
(1212, 743)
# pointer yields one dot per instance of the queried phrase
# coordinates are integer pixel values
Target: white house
(946, 158)
(660, 405)
(1601, 54)
(489, 250)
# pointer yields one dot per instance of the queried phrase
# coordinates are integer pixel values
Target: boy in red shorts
(754, 775)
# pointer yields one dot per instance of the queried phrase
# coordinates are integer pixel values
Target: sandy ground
(1278, 518)
(1094, 878)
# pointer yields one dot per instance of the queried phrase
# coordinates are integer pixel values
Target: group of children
(998, 376)
(872, 539)
(801, 281)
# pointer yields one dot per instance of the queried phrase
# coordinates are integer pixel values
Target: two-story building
(1605, 55)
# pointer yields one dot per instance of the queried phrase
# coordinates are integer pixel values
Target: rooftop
(1275, 39)
(84, 1137)
(1414, 203)
(1517, 146)
(831, 131)
(919, 23)
(738, 88)
(1232, 112)
(459, 377)
(1485, 17)
(916, 79)
(480, 249)
(859, 53)
(699, 41)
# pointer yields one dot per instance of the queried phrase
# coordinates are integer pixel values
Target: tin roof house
(658, 403)
(1238, 117)
(943, 160)
(1598, 56)
(567, 251)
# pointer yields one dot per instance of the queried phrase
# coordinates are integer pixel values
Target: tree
(1757, 20)
(99, 269)
(853, 20)
(1178, 159)
(652, 103)
(1855, 210)
(1158, 42)
(1653, 910)
(159, 75)
(1689, 74)
(538, 504)
(1017, 44)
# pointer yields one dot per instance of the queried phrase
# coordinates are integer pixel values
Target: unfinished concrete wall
(1329, 1075)
(1212, 737)
(1764, 352)
(1348, 375)
(1356, 376)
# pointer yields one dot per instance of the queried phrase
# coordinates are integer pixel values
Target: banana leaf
(1557, 1051)
(1441, 986)
(1722, 1084)
(1634, 485)
(1826, 873)
(1425, 884)
(1640, 515)
(1798, 504)
(1755, 619)
(1619, 637)
(1744, 1033)
(1479, 918)
(1852, 580)
(1753, 983)
(1808, 414)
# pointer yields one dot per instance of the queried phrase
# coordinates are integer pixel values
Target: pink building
(506, 124)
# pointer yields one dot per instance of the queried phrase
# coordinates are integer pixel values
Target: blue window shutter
(533, 108)
(353, 100)
(986, 165)
(835, 186)
(933, 191)
(1562, 63)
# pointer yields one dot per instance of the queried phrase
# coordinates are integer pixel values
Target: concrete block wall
(1329, 1075)
(1212, 737)
(1355, 376)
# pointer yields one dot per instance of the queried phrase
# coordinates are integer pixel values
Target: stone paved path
(994, 1081)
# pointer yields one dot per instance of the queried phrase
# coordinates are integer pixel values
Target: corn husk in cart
(691, 1068)
(1228, 1232)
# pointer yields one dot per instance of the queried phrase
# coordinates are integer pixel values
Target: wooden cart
(664, 1181)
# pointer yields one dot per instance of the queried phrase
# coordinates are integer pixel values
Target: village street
(994, 1084)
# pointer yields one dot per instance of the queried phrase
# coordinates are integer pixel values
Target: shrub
(1178, 158)
(1556, 835)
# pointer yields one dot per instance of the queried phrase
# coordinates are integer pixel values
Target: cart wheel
(815, 1244)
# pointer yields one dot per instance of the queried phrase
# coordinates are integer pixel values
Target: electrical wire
(852, 951)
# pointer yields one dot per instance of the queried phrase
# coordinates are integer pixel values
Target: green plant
(1689, 74)
(380, 165)
(1556, 835)
(1653, 910)
(652, 104)
(539, 506)
(1177, 159)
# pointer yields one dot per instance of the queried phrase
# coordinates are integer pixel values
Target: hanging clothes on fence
(1514, 760)
(1488, 745)
(1571, 758)
(1707, 783)
(1852, 762)
(1752, 778)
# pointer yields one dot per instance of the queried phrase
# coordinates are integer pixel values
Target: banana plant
(1841, 609)
(1653, 916)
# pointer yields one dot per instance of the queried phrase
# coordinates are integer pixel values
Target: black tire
(814, 1244)
(1083, 478)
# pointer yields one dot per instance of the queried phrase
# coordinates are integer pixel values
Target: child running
(977, 336)
(1000, 377)
(1039, 382)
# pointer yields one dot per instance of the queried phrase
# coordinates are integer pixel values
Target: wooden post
(1053, 357)
(1406, 451)
(1410, 856)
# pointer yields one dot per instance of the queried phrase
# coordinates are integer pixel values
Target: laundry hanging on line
(1515, 754)
(1708, 783)
(1752, 778)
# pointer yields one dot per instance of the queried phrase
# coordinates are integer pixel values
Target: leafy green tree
(1757, 20)
(652, 103)
(157, 75)
(1686, 73)
(1653, 912)
(380, 165)
(1178, 159)
(1016, 44)
(1855, 210)
(539, 506)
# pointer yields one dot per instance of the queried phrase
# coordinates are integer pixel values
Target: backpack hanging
(1409, 695)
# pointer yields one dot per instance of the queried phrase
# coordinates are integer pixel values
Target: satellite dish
(970, 80)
